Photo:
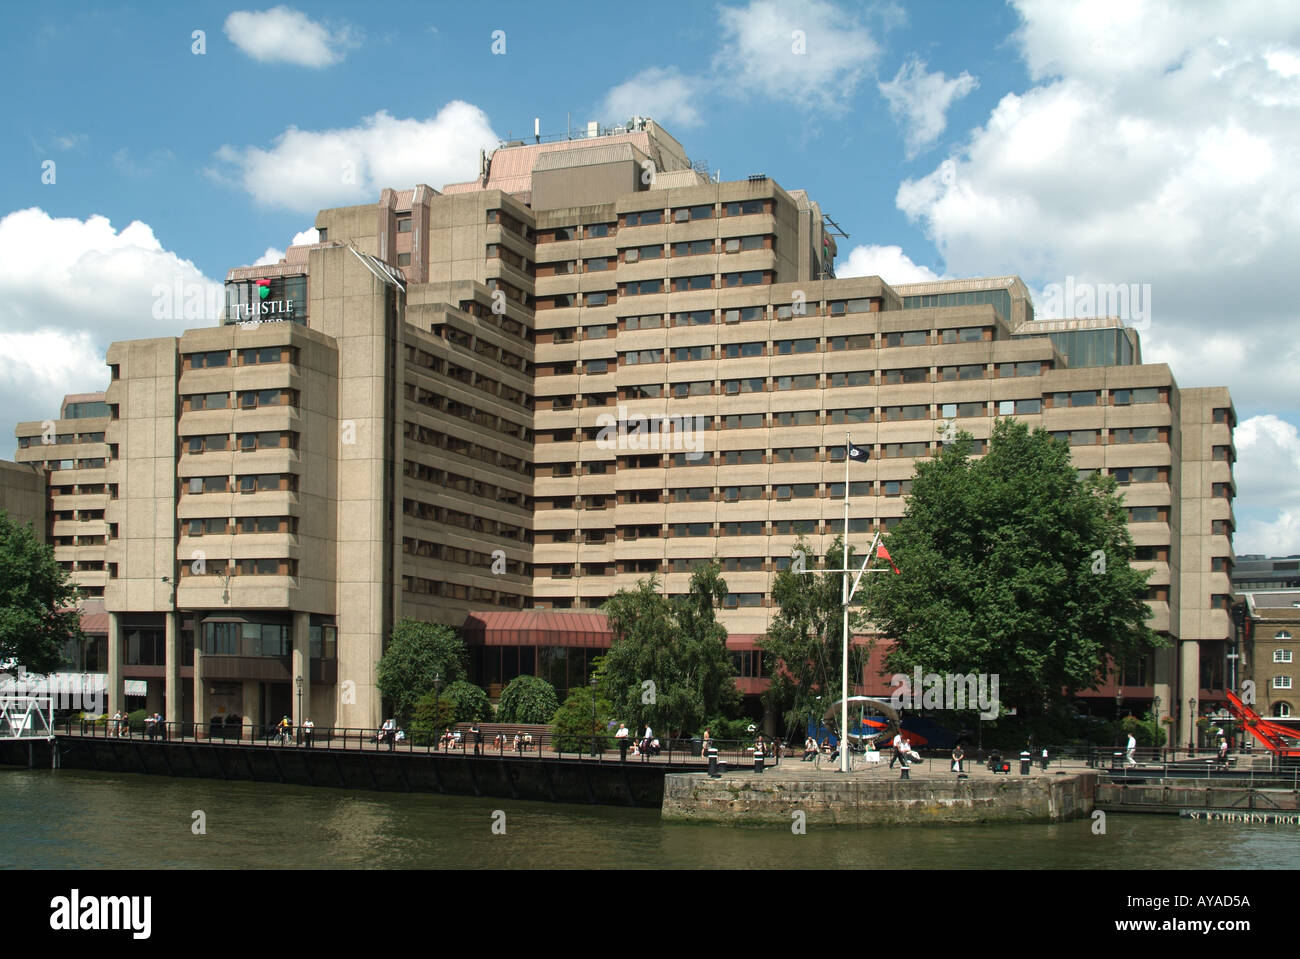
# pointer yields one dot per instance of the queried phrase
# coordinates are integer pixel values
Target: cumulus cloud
(285, 35)
(1153, 148)
(667, 95)
(889, 263)
(70, 287)
(919, 100)
(808, 53)
(275, 255)
(1268, 500)
(306, 170)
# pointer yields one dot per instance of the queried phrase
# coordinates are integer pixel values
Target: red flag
(883, 553)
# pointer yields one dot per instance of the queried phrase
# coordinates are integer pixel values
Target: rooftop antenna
(836, 228)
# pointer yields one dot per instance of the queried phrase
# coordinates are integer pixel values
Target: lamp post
(1155, 715)
(1191, 742)
(593, 715)
(437, 693)
(297, 681)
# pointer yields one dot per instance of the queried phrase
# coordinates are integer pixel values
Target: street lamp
(1191, 742)
(593, 715)
(297, 681)
(1119, 698)
(437, 692)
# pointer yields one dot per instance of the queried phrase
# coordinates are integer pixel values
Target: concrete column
(116, 681)
(301, 668)
(252, 706)
(175, 698)
(201, 699)
(1189, 668)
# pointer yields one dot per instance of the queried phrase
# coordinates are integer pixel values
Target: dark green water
(68, 819)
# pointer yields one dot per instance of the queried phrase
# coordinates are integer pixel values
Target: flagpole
(844, 675)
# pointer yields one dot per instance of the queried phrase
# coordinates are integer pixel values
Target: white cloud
(70, 287)
(1152, 149)
(309, 170)
(920, 101)
(285, 35)
(1268, 499)
(889, 263)
(665, 95)
(274, 255)
(761, 44)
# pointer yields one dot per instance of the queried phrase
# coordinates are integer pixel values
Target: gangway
(1280, 740)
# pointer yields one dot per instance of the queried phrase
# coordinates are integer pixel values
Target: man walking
(622, 737)
(1129, 748)
(897, 755)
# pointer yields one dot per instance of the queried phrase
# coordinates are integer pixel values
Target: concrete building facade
(590, 365)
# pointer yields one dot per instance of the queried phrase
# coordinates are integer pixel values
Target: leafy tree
(417, 653)
(37, 602)
(1013, 566)
(676, 645)
(572, 729)
(803, 651)
(469, 703)
(527, 699)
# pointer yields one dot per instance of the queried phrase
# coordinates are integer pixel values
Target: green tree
(572, 727)
(417, 653)
(1013, 566)
(527, 699)
(38, 614)
(469, 703)
(461, 702)
(668, 664)
(804, 647)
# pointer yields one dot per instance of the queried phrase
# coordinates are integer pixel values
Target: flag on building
(883, 553)
(859, 453)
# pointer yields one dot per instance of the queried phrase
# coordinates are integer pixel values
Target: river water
(67, 819)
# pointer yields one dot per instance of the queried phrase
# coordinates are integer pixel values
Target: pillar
(175, 699)
(1189, 669)
(116, 689)
(202, 701)
(301, 668)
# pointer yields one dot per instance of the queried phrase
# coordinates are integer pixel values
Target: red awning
(537, 627)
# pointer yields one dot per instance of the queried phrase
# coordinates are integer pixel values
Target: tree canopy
(38, 613)
(668, 664)
(1011, 565)
(527, 699)
(417, 653)
(803, 652)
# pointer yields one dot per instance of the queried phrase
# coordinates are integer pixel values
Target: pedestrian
(478, 738)
(307, 727)
(160, 726)
(708, 741)
(117, 724)
(622, 736)
(1223, 749)
(1129, 749)
(897, 754)
(389, 733)
(1044, 757)
(958, 754)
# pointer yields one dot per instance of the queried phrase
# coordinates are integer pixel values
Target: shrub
(527, 699)
(571, 726)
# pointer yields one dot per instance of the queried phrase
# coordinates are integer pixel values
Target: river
(69, 819)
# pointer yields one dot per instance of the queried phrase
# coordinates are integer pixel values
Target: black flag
(862, 454)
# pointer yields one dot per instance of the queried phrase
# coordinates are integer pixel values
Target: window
(1281, 655)
(596, 366)
(263, 524)
(1139, 434)
(908, 338)
(1135, 474)
(596, 331)
(643, 287)
(743, 421)
(905, 449)
(1144, 514)
(917, 374)
(598, 229)
(795, 418)
(682, 284)
(973, 371)
(647, 391)
(693, 318)
(634, 357)
(1133, 397)
(863, 341)
(1281, 682)
(692, 494)
(745, 314)
(896, 487)
(692, 529)
(597, 263)
(804, 381)
(265, 354)
(644, 218)
(199, 361)
(692, 248)
(253, 399)
(652, 322)
(747, 278)
(1031, 368)
(682, 353)
(745, 457)
(598, 299)
(404, 224)
(741, 350)
(893, 413)
(787, 347)
(753, 384)
(209, 401)
(208, 484)
(203, 444)
(858, 414)
(403, 259)
(206, 527)
(743, 208)
(966, 334)
(854, 378)
(686, 214)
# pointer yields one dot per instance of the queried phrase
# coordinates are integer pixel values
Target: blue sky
(1113, 143)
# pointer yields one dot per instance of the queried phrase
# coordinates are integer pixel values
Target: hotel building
(496, 404)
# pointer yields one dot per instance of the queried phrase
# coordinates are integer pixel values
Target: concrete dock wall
(740, 799)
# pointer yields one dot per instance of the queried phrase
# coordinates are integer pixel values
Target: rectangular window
(918, 374)
(693, 318)
(742, 350)
(854, 378)
(908, 338)
(594, 230)
(683, 353)
(1144, 514)
(644, 218)
(747, 278)
(692, 248)
(404, 224)
(795, 418)
(1281, 682)
(1281, 655)
(743, 208)
(651, 322)
(859, 414)
(1031, 368)
(742, 457)
(804, 381)
(743, 421)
